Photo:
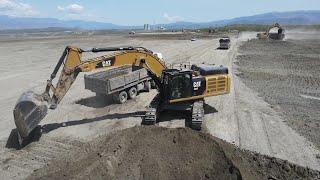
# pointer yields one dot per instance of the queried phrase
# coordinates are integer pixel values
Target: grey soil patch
(176, 36)
(286, 74)
(161, 153)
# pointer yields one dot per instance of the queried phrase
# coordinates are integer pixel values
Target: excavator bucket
(28, 112)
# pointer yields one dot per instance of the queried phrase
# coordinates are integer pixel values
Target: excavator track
(151, 115)
(197, 115)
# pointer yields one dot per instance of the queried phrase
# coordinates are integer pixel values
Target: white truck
(224, 43)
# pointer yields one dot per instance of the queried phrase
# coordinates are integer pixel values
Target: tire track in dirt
(223, 123)
(18, 164)
(273, 137)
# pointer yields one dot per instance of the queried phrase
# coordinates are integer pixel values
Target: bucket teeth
(28, 112)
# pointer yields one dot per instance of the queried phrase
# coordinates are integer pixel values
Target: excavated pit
(161, 153)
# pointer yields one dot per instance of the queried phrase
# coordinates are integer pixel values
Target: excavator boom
(31, 108)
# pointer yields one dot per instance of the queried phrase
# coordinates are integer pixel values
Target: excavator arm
(31, 108)
(73, 65)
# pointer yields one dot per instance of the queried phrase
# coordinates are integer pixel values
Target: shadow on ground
(35, 135)
(219, 48)
(172, 115)
(53, 126)
(13, 140)
(96, 101)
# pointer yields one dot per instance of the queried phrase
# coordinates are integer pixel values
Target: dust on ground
(161, 153)
(302, 34)
(179, 35)
(286, 74)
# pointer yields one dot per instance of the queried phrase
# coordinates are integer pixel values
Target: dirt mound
(160, 153)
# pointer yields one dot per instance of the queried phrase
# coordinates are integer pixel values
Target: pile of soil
(286, 74)
(161, 153)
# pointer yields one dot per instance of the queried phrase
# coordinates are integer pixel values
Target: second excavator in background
(179, 90)
(277, 35)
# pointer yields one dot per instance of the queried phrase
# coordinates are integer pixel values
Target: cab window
(180, 86)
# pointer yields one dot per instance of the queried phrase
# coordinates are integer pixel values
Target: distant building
(147, 27)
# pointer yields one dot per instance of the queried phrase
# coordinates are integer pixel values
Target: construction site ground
(245, 117)
(288, 81)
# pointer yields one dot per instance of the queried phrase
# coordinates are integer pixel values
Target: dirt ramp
(160, 153)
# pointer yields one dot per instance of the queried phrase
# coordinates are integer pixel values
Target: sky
(138, 12)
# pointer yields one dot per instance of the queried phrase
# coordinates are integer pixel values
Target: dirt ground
(162, 153)
(286, 74)
(241, 117)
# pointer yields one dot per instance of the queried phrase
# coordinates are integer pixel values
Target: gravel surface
(286, 74)
(241, 117)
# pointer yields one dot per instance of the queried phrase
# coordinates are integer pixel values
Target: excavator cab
(177, 84)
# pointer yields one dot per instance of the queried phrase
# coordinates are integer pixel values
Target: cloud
(71, 9)
(77, 12)
(172, 18)
(14, 8)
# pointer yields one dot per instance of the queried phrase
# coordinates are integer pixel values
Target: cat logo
(106, 63)
(196, 85)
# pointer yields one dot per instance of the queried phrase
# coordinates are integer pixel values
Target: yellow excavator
(181, 90)
(279, 35)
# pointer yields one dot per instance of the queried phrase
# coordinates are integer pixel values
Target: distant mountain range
(7, 22)
(284, 18)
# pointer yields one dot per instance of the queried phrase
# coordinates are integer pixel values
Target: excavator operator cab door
(177, 84)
